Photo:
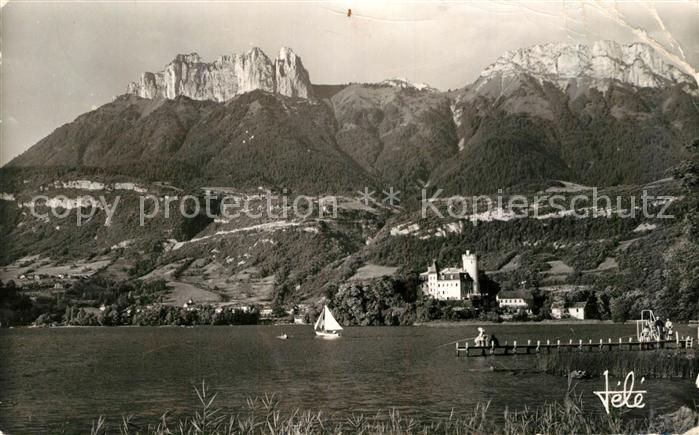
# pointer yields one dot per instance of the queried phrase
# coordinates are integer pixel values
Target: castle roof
(515, 294)
(433, 268)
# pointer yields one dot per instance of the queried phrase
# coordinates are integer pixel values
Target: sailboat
(326, 326)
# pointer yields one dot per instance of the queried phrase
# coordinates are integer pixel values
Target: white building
(452, 283)
(518, 299)
(576, 310)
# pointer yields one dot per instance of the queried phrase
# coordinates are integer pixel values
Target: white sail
(318, 325)
(330, 324)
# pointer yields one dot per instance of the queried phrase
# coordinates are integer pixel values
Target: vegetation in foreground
(681, 363)
(263, 415)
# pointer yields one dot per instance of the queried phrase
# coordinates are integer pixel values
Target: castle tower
(470, 266)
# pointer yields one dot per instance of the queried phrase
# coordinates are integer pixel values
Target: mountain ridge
(230, 75)
(594, 65)
(521, 125)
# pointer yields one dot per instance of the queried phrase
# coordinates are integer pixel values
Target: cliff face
(592, 66)
(290, 76)
(226, 77)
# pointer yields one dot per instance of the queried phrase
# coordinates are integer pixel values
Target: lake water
(67, 377)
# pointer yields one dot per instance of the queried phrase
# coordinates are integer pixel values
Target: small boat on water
(282, 337)
(326, 326)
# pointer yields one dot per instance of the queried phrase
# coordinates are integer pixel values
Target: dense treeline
(102, 302)
(379, 302)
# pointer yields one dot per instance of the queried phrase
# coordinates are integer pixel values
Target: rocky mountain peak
(286, 53)
(593, 65)
(226, 77)
(188, 58)
(400, 82)
(289, 73)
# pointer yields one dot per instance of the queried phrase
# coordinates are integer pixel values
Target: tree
(374, 302)
(620, 308)
(541, 303)
(427, 309)
(591, 310)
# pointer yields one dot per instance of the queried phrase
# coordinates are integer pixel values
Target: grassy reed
(263, 416)
(682, 363)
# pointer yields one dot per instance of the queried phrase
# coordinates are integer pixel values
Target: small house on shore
(515, 299)
(575, 310)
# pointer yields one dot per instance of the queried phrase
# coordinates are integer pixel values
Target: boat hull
(327, 335)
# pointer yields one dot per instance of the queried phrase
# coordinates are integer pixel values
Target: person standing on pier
(481, 339)
(660, 326)
(668, 329)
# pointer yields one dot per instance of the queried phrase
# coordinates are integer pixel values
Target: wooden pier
(530, 347)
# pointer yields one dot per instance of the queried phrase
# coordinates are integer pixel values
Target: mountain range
(603, 115)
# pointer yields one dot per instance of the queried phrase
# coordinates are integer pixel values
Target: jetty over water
(548, 346)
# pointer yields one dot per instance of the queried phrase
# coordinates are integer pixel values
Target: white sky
(61, 59)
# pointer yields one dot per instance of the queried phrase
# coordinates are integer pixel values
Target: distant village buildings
(453, 283)
(189, 305)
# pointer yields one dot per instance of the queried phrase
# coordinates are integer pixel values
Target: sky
(64, 58)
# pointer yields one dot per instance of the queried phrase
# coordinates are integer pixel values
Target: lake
(67, 377)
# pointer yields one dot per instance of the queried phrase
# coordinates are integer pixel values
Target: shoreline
(432, 324)
(476, 322)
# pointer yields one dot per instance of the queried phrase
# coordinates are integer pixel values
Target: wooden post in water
(579, 344)
(538, 343)
(457, 349)
(677, 339)
(514, 348)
